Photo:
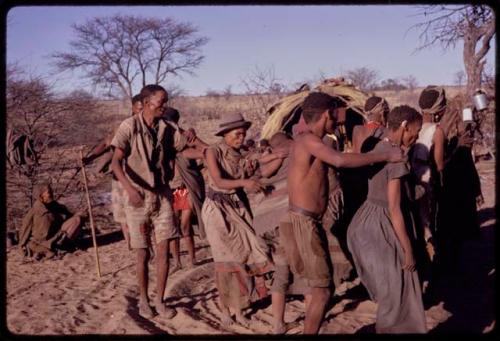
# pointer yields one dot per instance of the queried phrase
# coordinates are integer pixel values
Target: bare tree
(120, 53)
(447, 25)
(37, 114)
(459, 78)
(410, 82)
(364, 78)
(264, 87)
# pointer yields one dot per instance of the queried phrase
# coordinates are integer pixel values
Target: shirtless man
(306, 249)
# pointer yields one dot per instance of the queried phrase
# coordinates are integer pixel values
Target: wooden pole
(90, 215)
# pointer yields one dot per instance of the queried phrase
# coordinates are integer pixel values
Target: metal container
(480, 100)
(467, 115)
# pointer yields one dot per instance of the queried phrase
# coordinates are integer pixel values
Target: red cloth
(181, 199)
(372, 125)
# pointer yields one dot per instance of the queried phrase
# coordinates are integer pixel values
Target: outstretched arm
(97, 151)
(317, 148)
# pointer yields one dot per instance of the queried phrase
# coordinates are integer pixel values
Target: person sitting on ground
(48, 226)
(303, 239)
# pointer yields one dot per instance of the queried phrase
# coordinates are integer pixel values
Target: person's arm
(135, 198)
(317, 148)
(215, 174)
(192, 139)
(268, 169)
(97, 151)
(396, 217)
(192, 153)
(438, 141)
(356, 139)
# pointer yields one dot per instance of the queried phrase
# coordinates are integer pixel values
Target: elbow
(394, 211)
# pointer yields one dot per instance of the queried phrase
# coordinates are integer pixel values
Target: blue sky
(300, 42)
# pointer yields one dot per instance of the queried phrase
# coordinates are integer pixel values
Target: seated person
(48, 225)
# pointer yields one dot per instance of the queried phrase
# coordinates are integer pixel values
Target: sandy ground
(65, 296)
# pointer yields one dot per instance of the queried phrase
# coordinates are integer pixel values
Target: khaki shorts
(118, 201)
(156, 213)
(306, 250)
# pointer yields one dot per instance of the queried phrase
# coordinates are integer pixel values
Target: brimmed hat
(230, 122)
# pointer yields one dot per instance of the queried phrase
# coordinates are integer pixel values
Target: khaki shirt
(148, 154)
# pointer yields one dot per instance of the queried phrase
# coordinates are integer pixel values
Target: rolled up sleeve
(122, 137)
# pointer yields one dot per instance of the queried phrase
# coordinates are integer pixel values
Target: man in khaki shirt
(147, 145)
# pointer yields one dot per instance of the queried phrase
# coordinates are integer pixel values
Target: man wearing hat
(238, 252)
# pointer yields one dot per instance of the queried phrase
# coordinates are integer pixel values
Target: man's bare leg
(227, 320)
(307, 300)
(176, 258)
(161, 275)
(126, 234)
(241, 319)
(278, 310)
(186, 233)
(142, 279)
(316, 310)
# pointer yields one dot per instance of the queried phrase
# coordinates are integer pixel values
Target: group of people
(404, 210)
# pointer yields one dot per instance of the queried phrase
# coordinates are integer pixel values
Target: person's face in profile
(137, 107)
(410, 133)
(234, 138)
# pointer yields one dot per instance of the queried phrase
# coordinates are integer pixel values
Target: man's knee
(322, 294)
(162, 249)
(142, 256)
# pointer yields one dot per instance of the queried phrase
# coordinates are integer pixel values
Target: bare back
(307, 178)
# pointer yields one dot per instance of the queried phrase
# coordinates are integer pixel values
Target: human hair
(402, 113)
(150, 90)
(172, 114)
(250, 143)
(39, 189)
(376, 102)
(317, 103)
(429, 96)
(372, 102)
(279, 139)
(263, 143)
(136, 98)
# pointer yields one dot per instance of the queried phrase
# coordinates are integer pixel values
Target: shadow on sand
(468, 294)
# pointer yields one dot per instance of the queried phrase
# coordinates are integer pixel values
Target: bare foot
(242, 320)
(227, 320)
(176, 267)
(279, 328)
(145, 310)
(165, 311)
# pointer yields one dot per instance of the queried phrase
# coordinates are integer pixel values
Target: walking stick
(91, 218)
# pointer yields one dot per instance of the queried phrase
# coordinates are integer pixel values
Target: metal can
(480, 100)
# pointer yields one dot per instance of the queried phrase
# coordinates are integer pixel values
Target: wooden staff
(90, 215)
